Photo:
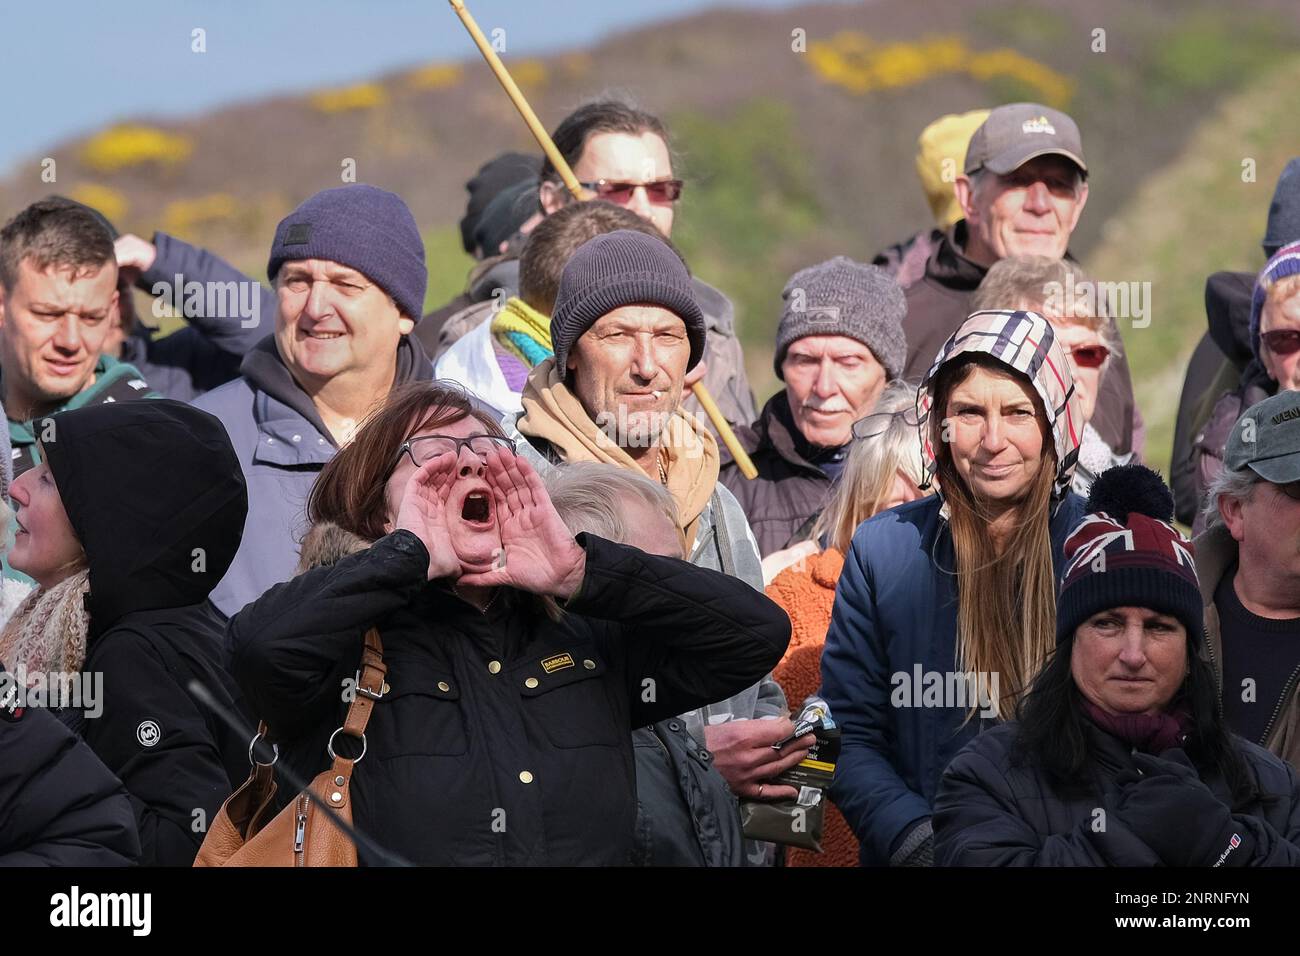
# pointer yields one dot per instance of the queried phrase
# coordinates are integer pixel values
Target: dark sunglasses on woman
(1090, 356)
(1281, 341)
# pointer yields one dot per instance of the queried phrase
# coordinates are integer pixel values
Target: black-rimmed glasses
(425, 447)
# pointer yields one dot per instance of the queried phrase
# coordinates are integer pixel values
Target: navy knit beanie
(616, 269)
(1283, 263)
(1284, 210)
(362, 227)
(1126, 553)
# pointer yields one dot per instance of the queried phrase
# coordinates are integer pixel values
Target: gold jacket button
(443, 686)
(525, 776)
(530, 683)
(589, 664)
(494, 667)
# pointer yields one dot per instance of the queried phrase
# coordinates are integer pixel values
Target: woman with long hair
(1119, 755)
(518, 658)
(881, 470)
(946, 606)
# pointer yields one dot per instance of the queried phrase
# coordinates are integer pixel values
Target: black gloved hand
(917, 848)
(1177, 815)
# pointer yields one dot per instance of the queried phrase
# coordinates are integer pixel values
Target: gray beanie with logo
(843, 297)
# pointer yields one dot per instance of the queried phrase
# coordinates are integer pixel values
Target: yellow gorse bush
(435, 76)
(182, 217)
(857, 63)
(529, 73)
(576, 65)
(124, 146)
(108, 201)
(362, 96)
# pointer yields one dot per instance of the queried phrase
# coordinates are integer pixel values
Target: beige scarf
(47, 634)
(689, 452)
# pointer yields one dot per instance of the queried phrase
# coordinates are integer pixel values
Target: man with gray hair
(839, 341)
(1248, 562)
(686, 815)
(1022, 193)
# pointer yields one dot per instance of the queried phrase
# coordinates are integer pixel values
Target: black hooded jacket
(1215, 369)
(156, 497)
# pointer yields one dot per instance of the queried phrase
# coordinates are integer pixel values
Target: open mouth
(476, 509)
(324, 335)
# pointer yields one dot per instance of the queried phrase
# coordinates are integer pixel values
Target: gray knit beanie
(363, 227)
(616, 269)
(843, 297)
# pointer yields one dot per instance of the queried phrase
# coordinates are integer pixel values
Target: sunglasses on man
(1281, 341)
(660, 191)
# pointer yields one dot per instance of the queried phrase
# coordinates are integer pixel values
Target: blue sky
(70, 66)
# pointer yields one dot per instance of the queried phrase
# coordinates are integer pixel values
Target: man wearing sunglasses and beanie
(1027, 283)
(1275, 365)
(839, 342)
(1248, 563)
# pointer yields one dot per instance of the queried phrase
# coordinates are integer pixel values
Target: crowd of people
(353, 584)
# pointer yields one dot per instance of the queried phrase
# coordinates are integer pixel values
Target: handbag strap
(370, 685)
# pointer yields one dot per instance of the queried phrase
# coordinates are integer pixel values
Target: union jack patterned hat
(1126, 553)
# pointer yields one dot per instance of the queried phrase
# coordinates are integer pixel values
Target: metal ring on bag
(329, 747)
(253, 743)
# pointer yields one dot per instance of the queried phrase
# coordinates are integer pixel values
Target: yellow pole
(571, 182)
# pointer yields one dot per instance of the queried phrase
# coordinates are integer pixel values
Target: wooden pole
(571, 182)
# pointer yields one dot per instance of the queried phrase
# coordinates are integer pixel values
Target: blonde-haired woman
(883, 469)
(946, 607)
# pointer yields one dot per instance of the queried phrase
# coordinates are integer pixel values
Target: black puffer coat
(156, 497)
(59, 805)
(991, 813)
(505, 737)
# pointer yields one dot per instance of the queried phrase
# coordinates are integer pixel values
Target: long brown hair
(350, 491)
(1006, 600)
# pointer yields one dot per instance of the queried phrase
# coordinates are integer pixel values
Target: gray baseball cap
(1266, 439)
(1017, 132)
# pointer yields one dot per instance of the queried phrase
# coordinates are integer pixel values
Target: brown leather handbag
(300, 834)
